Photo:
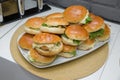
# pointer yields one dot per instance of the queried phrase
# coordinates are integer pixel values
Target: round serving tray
(75, 69)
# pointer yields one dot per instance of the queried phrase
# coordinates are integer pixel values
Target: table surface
(109, 71)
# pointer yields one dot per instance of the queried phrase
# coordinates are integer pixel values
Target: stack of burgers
(62, 33)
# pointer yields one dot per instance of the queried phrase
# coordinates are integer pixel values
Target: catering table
(10, 70)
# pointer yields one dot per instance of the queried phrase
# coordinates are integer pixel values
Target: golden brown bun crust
(55, 15)
(35, 22)
(76, 32)
(46, 38)
(39, 58)
(75, 13)
(89, 41)
(96, 24)
(92, 15)
(26, 41)
(106, 34)
(67, 51)
(56, 22)
(87, 44)
(69, 48)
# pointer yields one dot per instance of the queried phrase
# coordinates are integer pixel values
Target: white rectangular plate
(60, 60)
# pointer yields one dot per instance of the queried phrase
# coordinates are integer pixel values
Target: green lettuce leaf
(73, 53)
(76, 41)
(88, 19)
(98, 33)
(45, 25)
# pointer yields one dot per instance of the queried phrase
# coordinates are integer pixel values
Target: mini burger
(74, 35)
(95, 27)
(77, 14)
(68, 51)
(32, 25)
(38, 59)
(26, 41)
(47, 44)
(54, 15)
(54, 25)
(105, 35)
(87, 44)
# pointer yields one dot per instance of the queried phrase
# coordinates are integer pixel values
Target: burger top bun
(56, 22)
(46, 38)
(75, 13)
(26, 41)
(55, 15)
(92, 15)
(35, 22)
(76, 32)
(96, 24)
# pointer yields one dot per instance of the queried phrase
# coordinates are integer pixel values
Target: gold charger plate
(75, 69)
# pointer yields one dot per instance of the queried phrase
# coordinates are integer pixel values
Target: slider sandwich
(32, 25)
(54, 25)
(38, 59)
(74, 35)
(26, 41)
(77, 14)
(95, 27)
(98, 30)
(47, 44)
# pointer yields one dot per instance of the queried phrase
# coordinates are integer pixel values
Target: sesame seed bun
(76, 32)
(40, 59)
(106, 34)
(54, 15)
(26, 41)
(33, 25)
(46, 38)
(96, 24)
(75, 13)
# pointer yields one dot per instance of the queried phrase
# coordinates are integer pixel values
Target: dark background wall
(108, 9)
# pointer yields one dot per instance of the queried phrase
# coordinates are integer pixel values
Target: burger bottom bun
(52, 51)
(39, 59)
(26, 41)
(66, 54)
(106, 34)
(31, 31)
(86, 45)
(56, 30)
(68, 41)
